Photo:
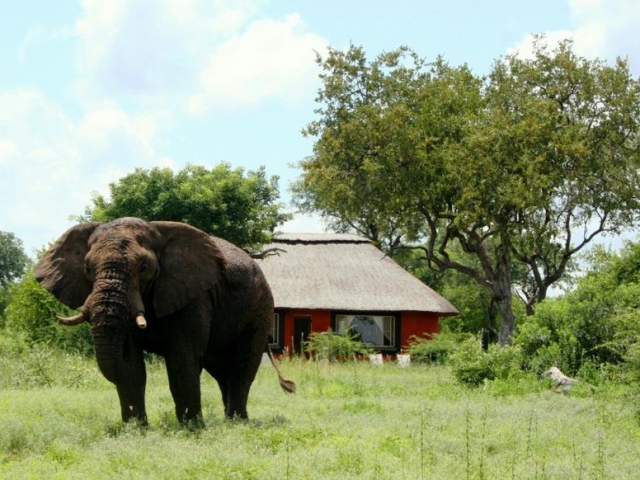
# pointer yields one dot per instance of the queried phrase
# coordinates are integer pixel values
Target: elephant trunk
(109, 345)
(111, 307)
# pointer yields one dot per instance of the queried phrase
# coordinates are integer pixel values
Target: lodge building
(342, 281)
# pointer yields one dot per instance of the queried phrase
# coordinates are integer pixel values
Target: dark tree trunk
(502, 295)
(508, 321)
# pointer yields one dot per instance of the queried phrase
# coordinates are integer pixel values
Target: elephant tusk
(77, 319)
(141, 321)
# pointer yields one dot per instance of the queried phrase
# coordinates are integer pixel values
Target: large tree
(516, 171)
(13, 260)
(239, 206)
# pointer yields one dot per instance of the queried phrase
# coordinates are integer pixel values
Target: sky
(91, 90)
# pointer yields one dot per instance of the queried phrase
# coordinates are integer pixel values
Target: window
(374, 330)
(274, 338)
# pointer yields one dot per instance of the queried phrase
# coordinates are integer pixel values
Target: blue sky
(90, 89)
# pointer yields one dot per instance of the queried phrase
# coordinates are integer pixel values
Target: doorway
(301, 332)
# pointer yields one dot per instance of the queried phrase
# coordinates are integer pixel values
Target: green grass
(347, 421)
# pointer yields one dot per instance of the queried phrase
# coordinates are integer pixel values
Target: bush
(593, 330)
(335, 347)
(31, 316)
(590, 327)
(472, 366)
(436, 349)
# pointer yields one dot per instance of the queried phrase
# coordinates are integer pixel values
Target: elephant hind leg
(221, 380)
(234, 390)
(240, 368)
(237, 397)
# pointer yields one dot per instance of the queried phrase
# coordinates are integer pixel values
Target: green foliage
(239, 206)
(31, 316)
(333, 346)
(490, 176)
(472, 366)
(434, 350)
(13, 262)
(594, 326)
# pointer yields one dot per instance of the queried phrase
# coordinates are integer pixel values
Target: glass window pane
(378, 331)
(275, 330)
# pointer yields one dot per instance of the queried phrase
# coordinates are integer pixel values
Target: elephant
(171, 289)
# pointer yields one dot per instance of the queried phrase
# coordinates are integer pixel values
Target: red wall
(412, 323)
(417, 323)
(320, 322)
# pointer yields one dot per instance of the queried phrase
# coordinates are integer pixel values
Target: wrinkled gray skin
(204, 303)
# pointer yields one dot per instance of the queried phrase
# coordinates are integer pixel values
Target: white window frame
(275, 331)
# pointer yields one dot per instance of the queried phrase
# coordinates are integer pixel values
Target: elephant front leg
(132, 405)
(184, 383)
(131, 391)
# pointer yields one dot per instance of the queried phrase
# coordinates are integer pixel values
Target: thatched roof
(344, 272)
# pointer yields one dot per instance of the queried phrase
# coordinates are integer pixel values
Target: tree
(240, 207)
(519, 170)
(13, 262)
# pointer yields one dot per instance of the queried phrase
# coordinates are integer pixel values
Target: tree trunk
(508, 321)
(501, 292)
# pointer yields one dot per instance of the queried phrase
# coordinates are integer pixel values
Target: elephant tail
(287, 385)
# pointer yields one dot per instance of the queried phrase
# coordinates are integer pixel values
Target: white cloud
(603, 28)
(207, 54)
(140, 65)
(150, 48)
(270, 59)
(50, 163)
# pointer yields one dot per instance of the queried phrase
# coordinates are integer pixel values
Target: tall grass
(346, 421)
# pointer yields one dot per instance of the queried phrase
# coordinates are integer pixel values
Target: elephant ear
(190, 264)
(61, 269)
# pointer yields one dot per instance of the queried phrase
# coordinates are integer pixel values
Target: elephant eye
(87, 267)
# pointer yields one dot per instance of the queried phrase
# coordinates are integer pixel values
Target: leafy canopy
(514, 172)
(239, 206)
(13, 260)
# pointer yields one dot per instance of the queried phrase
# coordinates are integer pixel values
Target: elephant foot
(236, 415)
(193, 424)
(132, 415)
(191, 421)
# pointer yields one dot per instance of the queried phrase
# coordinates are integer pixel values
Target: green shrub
(589, 327)
(592, 329)
(472, 366)
(436, 349)
(31, 315)
(335, 347)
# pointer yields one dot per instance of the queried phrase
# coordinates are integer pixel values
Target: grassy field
(60, 419)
